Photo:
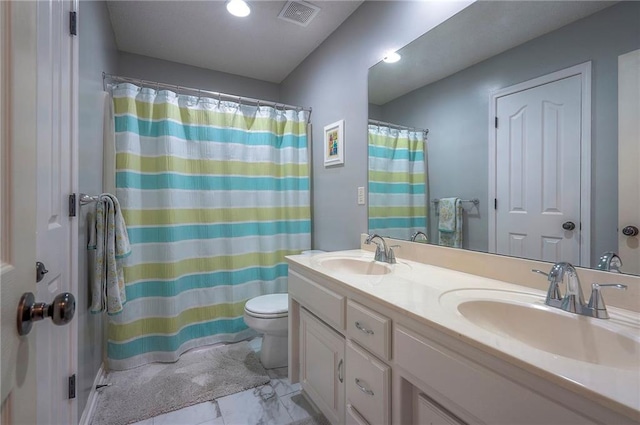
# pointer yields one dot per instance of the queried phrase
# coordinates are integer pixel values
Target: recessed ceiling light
(391, 57)
(238, 8)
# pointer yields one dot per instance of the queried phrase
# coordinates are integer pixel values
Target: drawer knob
(363, 329)
(363, 388)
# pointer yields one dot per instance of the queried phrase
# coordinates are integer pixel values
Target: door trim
(584, 71)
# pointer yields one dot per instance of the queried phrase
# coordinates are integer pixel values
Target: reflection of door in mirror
(629, 158)
(537, 180)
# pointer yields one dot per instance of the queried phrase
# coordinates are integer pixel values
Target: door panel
(629, 158)
(538, 171)
(17, 205)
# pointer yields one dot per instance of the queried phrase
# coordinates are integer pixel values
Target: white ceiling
(478, 32)
(204, 34)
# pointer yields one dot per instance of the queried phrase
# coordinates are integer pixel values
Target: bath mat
(198, 376)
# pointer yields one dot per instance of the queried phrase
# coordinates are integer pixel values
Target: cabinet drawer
(471, 390)
(323, 302)
(368, 385)
(369, 328)
(354, 417)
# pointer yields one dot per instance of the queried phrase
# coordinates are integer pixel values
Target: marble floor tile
(298, 406)
(280, 381)
(257, 406)
(145, 422)
(193, 415)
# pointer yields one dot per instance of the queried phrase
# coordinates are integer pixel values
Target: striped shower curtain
(214, 195)
(397, 201)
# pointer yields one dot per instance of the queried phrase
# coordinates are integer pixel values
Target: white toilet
(269, 315)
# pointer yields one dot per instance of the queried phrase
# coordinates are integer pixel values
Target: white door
(538, 145)
(628, 159)
(55, 229)
(17, 206)
(42, 176)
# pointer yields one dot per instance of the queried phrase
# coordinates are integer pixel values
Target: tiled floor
(278, 403)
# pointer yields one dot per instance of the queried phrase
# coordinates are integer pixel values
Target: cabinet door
(322, 366)
(431, 414)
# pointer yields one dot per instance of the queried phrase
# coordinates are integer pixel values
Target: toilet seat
(271, 306)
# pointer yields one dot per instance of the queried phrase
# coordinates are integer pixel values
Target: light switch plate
(361, 195)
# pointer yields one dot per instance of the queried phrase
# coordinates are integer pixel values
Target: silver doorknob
(61, 311)
(630, 231)
(568, 225)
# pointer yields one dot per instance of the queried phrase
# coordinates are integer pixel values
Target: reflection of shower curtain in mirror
(397, 181)
(214, 194)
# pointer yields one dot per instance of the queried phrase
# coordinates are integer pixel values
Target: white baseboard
(92, 401)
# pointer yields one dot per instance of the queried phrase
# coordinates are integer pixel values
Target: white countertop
(427, 294)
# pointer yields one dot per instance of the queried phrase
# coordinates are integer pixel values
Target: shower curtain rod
(180, 89)
(400, 127)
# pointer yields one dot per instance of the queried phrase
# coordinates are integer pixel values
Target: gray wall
(333, 80)
(97, 53)
(146, 68)
(455, 110)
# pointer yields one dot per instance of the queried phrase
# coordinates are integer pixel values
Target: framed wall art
(334, 144)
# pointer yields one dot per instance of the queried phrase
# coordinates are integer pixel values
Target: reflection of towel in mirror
(112, 246)
(450, 222)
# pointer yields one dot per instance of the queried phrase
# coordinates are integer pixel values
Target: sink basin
(524, 317)
(355, 266)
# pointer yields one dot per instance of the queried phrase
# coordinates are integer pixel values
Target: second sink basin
(354, 266)
(524, 317)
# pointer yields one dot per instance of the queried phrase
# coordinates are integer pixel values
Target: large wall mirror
(512, 128)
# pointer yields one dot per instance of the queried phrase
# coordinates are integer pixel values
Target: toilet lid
(274, 304)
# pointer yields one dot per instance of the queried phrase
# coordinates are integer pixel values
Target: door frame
(582, 70)
(628, 154)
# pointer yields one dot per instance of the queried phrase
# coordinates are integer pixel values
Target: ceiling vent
(298, 12)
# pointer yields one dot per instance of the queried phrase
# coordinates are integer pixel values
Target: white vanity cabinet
(365, 361)
(334, 371)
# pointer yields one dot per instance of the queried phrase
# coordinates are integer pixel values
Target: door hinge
(73, 23)
(72, 205)
(495, 203)
(496, 122)
(72, 386)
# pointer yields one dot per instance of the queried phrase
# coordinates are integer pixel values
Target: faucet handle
(391, 255)
(554, 298)
(540, 272)
(596, 302)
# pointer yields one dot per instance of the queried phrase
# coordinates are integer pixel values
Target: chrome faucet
(609, 262)
(416, 234)
(382, 252)
(573, 300)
